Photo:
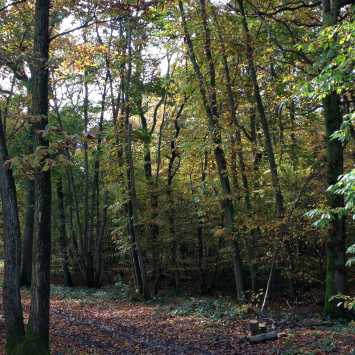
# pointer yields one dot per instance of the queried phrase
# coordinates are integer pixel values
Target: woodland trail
(95, 326)
(118, 333)
(133, 329)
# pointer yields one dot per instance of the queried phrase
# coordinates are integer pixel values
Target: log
(263, 337)
(313, 323)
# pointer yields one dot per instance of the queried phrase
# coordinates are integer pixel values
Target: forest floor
(97, 322)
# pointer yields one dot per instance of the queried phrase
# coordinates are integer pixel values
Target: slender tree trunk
(154, 203)
(68, 282)
(200, 241)
(38, 324)
(280, 210)
(335, 273)
(132, 216)
(93, 238)
(172, 170)
(210, 104)
(99, 242)
(27, 242)
(173, 237)
(278, 196)
(293, 152)
(237, 145)
(131, 205)
(88, 256)
(12, 244)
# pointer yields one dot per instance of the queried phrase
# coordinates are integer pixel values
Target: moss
(29, 345)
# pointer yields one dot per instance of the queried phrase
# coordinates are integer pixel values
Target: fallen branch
(263, 337)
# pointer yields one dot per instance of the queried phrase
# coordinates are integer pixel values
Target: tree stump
(253, 327)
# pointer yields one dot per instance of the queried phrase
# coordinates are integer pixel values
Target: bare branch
(12, 4)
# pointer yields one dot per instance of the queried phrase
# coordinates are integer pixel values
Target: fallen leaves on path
(119, 327)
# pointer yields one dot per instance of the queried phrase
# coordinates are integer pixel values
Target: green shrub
(212, 309)
(120, 291)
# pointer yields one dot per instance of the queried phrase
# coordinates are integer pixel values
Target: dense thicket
(185, 147)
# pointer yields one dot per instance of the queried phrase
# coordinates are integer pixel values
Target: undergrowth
(215, 309)
(120, 291)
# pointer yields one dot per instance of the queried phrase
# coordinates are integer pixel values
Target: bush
(120, 291)
(213, 309)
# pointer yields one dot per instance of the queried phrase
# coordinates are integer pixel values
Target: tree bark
(12, 242)
(293, 149)
(335, 272)
(88, 256)
(38, 324)
(27, 242)
(172, 170)
(68, 282)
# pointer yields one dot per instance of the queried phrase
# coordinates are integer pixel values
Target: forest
(177, 177)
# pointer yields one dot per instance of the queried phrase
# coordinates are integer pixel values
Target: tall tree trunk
(335, 273)
(132, 216)
(94, 238)
(99, 242)
(154, 203)
(38, 324)
(12, 243)
(200, 241)
(68, 282)
(209, 99)
(293, 149)
(27, 242)
(172, 170)
(88, 256)
(173, 236)
(237, 145)
(131, 205)
(280, 210)
(278, 196)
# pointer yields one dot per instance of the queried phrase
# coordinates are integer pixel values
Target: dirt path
(117, 334)
(96, 326)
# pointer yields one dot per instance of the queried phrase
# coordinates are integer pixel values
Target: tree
(11, 291)
(209, 98)
(38, 325)
(335, 278)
